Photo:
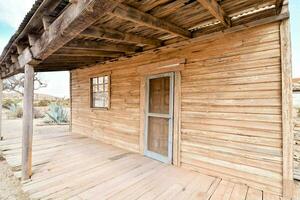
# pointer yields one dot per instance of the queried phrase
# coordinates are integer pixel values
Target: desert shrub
(43, 103)
(15, 111)
(7, 103)
(64, 102)
(37, 114)
(57, 114)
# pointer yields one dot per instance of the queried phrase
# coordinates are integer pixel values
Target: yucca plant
(57, 113)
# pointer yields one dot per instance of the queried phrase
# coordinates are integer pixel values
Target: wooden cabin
(203, 85)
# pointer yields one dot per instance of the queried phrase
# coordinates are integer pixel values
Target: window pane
(95, 88)
(101, 80)
(99, 93)
(159, 89)
(106, 79)
(101, 88)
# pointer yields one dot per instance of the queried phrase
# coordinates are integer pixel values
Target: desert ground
(10, 188)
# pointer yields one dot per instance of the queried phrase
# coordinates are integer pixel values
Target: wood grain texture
(231, 122)
(287, 109)
(27, 123)
(216, 10)
(71, 166)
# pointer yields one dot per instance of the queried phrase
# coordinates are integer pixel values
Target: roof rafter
(104, 46)
(76, 18)
(82, 53)
(132, 14)
(216, 10)
(105, 33)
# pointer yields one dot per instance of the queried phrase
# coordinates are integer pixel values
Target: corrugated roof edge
(25, 21)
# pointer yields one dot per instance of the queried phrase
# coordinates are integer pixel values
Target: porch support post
(27, 122)
(1, 99)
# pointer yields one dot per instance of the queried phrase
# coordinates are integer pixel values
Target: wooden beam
(287, 110)
(27, 123)
(216, 10)
(139, 17)
(199, 35)
(14, 58)
(59, 58)
(104, 46)
(46, 6)
(279, 4)
(110, 34)
(27, 58)
(76, 18)
(32, 38)
(20, 48)
(91, 53)
(47, 20)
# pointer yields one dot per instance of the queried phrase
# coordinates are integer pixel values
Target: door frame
(174, 65)
(169, 116)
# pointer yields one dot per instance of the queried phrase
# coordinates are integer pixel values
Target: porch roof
(68, 34)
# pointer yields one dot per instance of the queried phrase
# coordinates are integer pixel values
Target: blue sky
(13, 11)
(295, 32)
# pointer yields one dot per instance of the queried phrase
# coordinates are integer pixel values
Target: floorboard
(71, 166)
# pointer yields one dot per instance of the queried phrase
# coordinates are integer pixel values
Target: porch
(72, 166)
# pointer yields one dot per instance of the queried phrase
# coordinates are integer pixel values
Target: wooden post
(287, 110)
(1, 98)
(27, 122)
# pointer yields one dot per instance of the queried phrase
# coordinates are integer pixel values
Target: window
(100, 91)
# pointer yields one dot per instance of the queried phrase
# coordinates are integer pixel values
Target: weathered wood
(172, 65)
(47, 20)
(32, 38)
(105, 33)
(14, 58)
(104, 46)
(71, 165)
(230, 105)
(83, 52)
(20, 48)
(73, 20)
(27, 123)
(279, 4)
(216, 10)
(132, 14)
(142, 108)
(287, 109)
(177, 120)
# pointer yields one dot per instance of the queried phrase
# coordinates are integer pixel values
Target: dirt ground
(10, 187)
(297, 193)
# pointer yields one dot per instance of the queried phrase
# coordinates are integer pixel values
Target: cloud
(12, 12)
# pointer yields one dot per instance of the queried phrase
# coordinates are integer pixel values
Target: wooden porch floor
(70, 166)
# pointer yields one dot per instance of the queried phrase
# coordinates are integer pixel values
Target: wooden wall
(231, 106)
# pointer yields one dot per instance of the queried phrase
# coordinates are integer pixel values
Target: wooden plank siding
(231, 123)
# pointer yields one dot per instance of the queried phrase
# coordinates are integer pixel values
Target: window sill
(99, 109)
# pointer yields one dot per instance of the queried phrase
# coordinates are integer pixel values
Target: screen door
(159, 117)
